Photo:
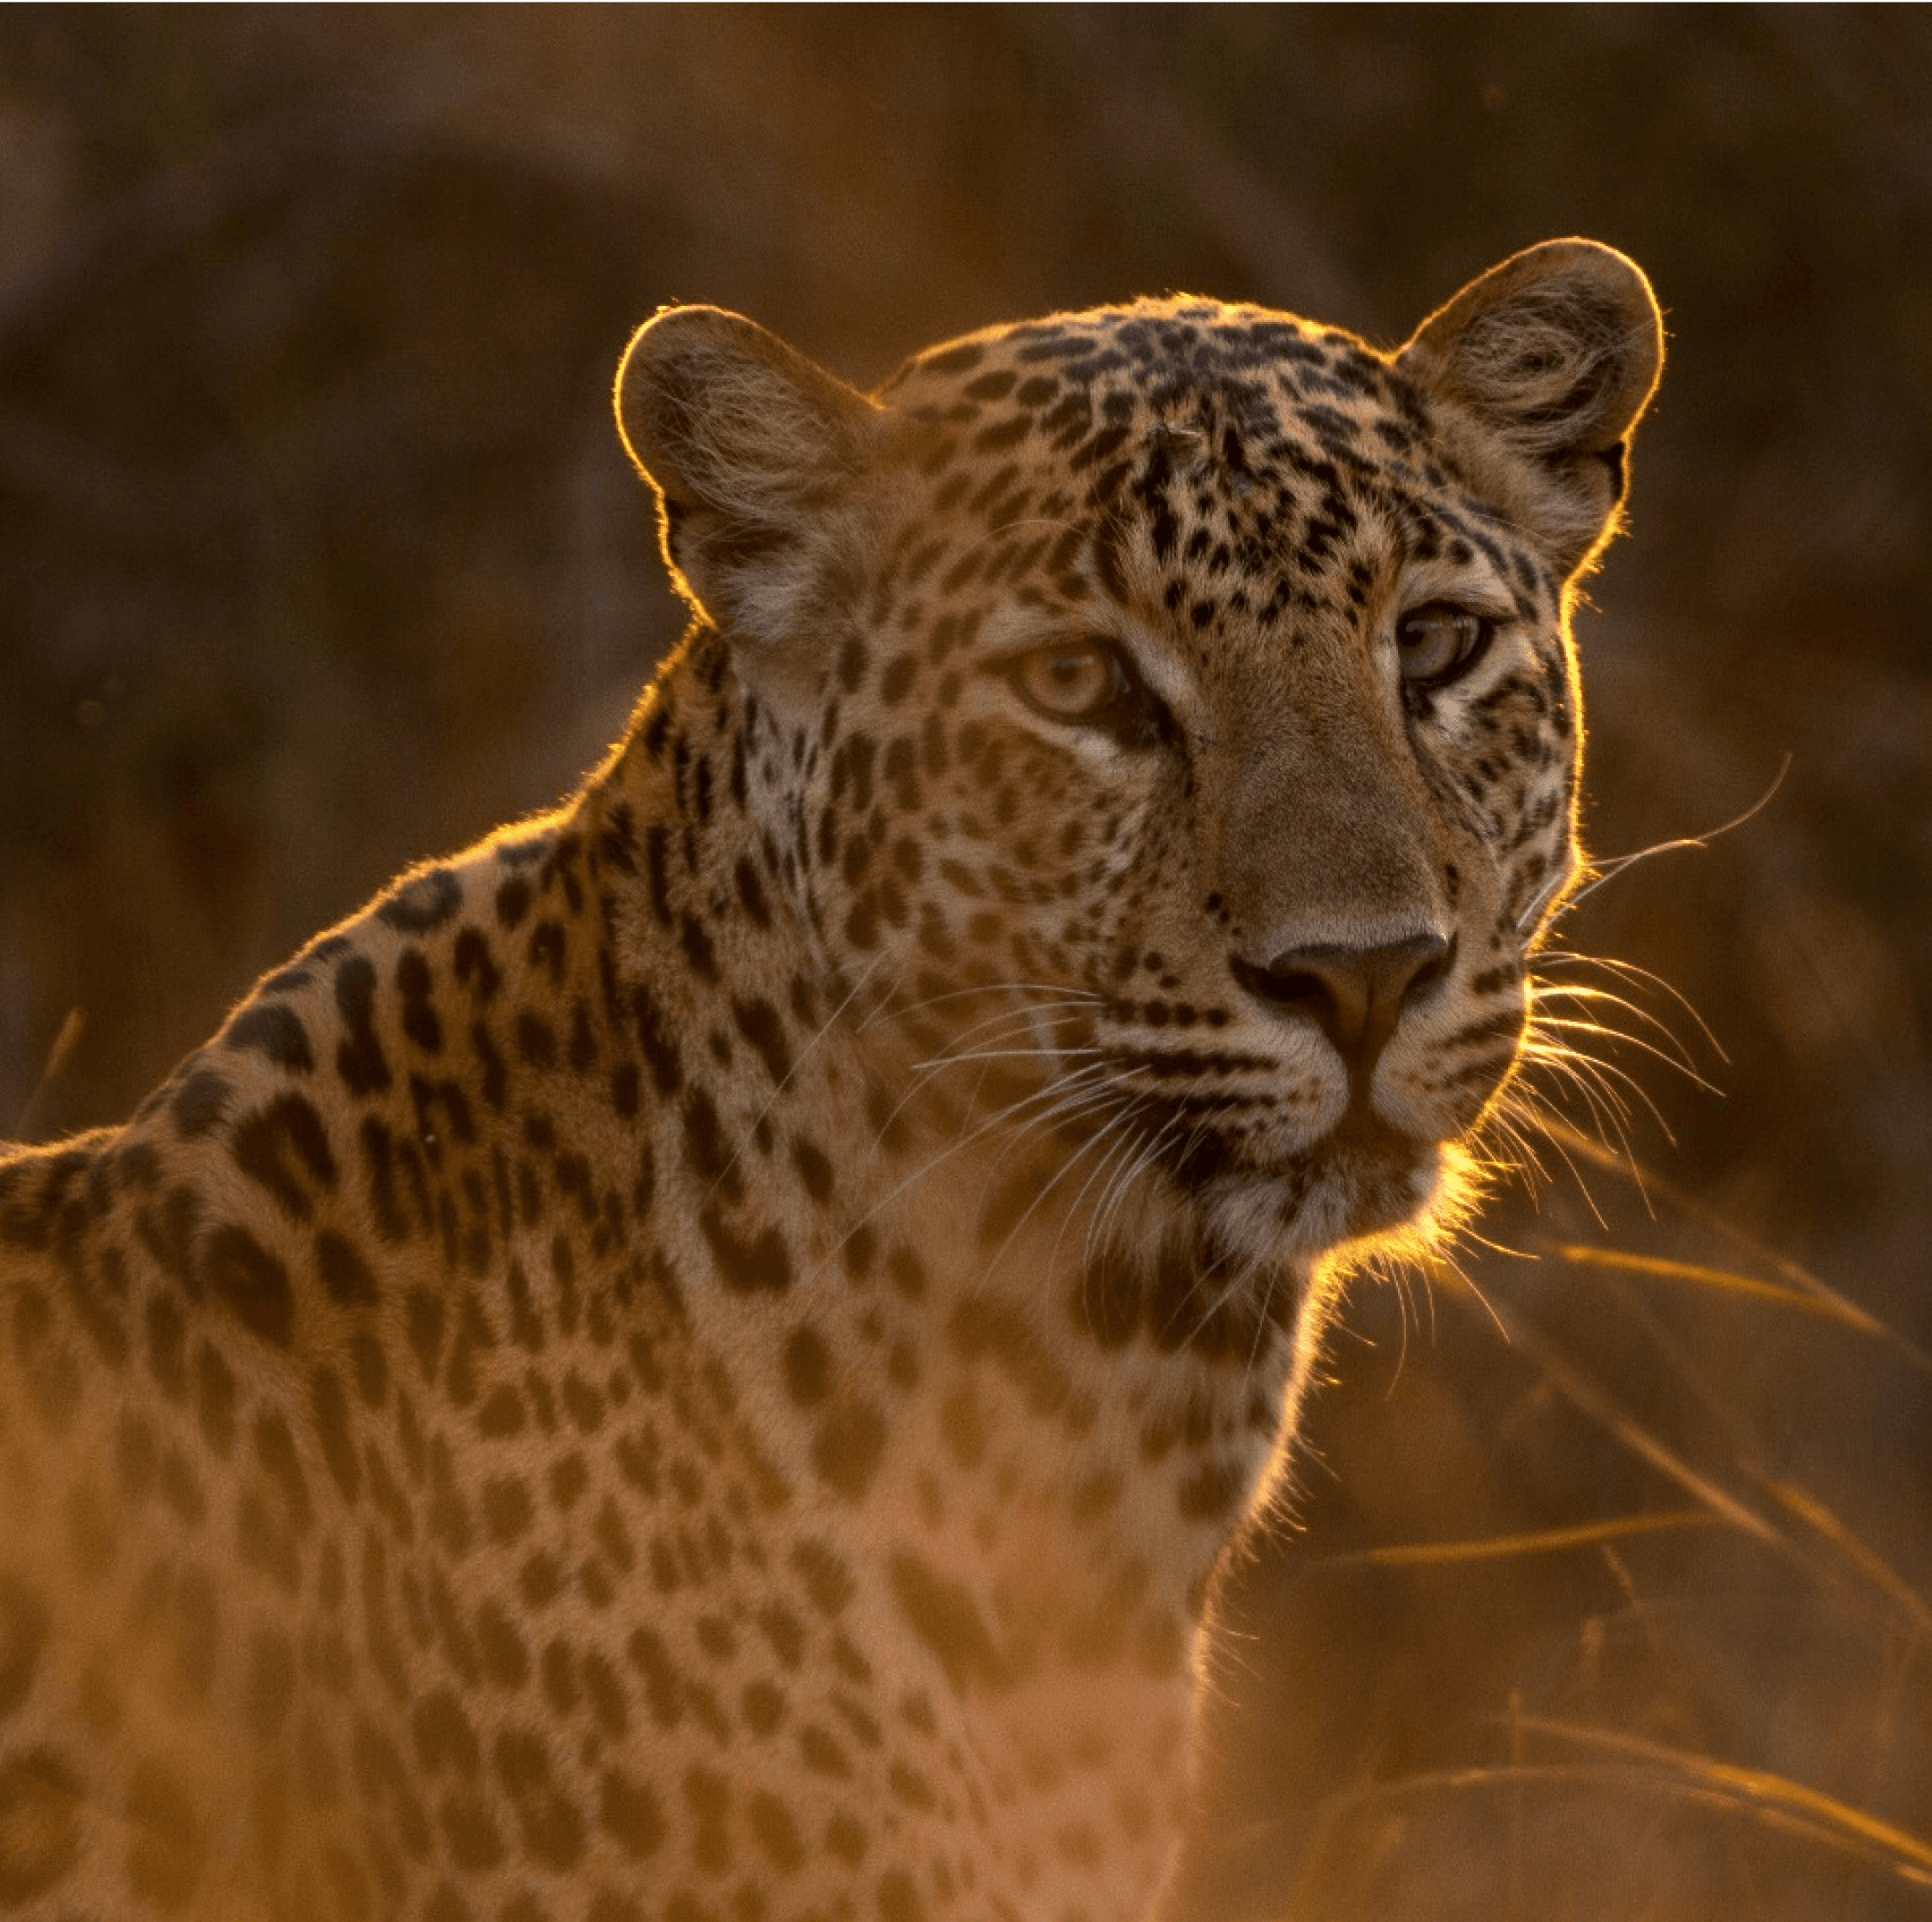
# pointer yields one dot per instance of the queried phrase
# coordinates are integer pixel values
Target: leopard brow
(1475, 585)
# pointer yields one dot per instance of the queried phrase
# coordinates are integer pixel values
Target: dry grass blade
(1817, 1300)
(1720, 1504)
(1772, 1802)
(1531, 1541)
(1602, 1408)
(1806, 1291)
(1909, 1855)
(58, 1056)
(1870, 1563)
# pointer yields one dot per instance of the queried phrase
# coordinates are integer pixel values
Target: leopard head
(1171, 709)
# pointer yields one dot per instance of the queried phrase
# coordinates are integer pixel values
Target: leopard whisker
(1542, 992)
(1567, 1025)
(797, 1063)
(924, 1072)
(985, 1125)
(1604, 871)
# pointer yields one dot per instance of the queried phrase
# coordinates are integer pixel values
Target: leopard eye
(1437, 643)
(1081, 680)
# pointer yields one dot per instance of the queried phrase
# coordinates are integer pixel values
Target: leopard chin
(1373, 1180)
(1361, 1182)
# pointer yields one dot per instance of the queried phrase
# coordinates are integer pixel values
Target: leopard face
(698, 1358)
(1191, 740)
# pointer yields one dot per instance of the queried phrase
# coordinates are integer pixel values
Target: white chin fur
(1256, 1217)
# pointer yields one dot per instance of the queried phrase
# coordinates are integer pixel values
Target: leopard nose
(1354, 995)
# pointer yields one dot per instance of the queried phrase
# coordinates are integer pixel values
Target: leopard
(699, 1361)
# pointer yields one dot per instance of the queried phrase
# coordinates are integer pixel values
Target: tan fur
(698, 1359)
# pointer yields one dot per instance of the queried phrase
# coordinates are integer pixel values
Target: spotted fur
(695, 1360)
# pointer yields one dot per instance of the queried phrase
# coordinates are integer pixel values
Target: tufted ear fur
(1556, 352)
(753, 451)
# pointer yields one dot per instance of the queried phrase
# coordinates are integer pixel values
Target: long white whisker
(1002, 1117)
(1608, 871)
(798, 1062)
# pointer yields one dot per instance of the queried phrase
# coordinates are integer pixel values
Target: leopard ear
(753, 451)
(1555, 353)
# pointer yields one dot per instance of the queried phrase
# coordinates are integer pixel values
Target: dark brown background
(318, 554)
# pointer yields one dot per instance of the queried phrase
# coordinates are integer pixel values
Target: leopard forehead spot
(700, 1356)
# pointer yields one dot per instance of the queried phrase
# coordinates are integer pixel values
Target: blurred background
(1605, 1588)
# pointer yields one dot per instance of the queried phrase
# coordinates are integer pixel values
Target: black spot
(1003, 434)
(495, 1074)
(445, 1737)
(752, 893)
(474, 967)
(624, 1090)
(536, 1040)
(372, 1367)
(898, 1898)
(956, 360)
(250, 1283)
(44, 1800)
(360, 1060)
(992, 386)
(774, 1830)
(474, 1336)
(198, 1104)
(708, 1150)
(214, 1399)
(709, 1801)
(507, 1509)
(859, 1251)
(848, 1446)
(1107, 1299)
(379, 1172)
(764, 1027)
(474, 1842)
(828, 1582)
(962, 1423)
(908, 1273)
(822, 1753)
(275, 1449)
(548, 948)
(657, 734)
(654, 1039)
(852, 662)
(417, 986)
(747, 1266)
(271, 1681)
(814, 1170)
(657, 862)
(332, 1426)
(663, 1692)
(281, 1144)
(808, 1367)
(1210, 1491)
(423, 901)
(981, 1329)
(583, 1050)
(166, 1855)
(167, 1333)
(697, 946)
(425, 1316)
(629, 1814)
(276, 1032)
(945, 1616)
